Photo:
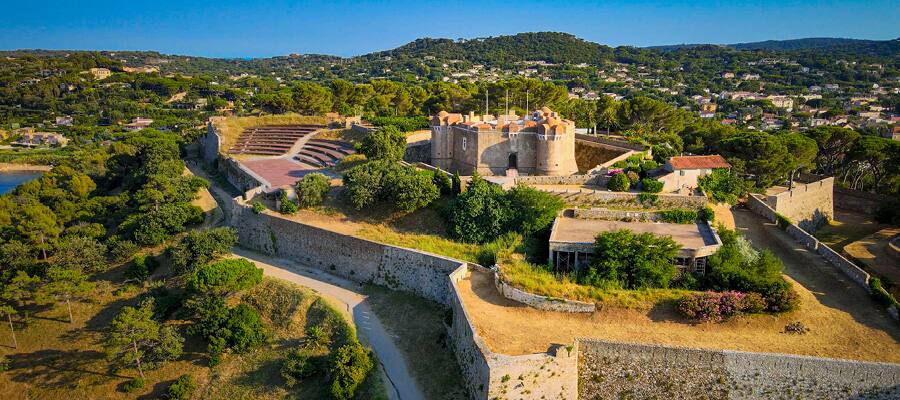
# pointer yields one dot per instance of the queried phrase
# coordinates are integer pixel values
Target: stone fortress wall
(587, 368)
(808, 204)
(610, 369)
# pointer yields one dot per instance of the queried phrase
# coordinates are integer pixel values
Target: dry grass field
(844, 322)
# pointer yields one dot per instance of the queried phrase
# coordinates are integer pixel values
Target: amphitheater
(583, 368)
(275, 154)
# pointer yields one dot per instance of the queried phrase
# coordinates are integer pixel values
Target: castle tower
(555, 145)
(442, 139)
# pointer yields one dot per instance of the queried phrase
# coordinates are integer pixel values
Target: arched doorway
(513, 161)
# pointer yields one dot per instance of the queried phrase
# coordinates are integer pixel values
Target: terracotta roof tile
(699, 162)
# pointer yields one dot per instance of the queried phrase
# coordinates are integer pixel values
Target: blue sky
(228, 28)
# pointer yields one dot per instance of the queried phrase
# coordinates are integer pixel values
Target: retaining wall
(590, 197)
(541, 302)
(619, 215)
(583, 179)
(418, 152)
(615, 370)
(858, 201)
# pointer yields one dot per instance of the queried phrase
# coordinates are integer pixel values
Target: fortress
(540, 143)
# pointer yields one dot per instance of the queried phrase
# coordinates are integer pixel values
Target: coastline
(11, 167)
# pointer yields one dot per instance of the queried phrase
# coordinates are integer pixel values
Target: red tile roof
(699, 162)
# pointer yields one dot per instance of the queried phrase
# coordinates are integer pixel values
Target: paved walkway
(345, 296)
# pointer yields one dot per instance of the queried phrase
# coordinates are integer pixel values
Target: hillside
(552, 47)
(820, 45)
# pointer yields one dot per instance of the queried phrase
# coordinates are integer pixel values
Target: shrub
(711, 306)
(753, 303)
(707, 214)
(133, 385)
(258, 207)
(141, 267)
(387, 143)
(532, 210)
(881, 294)
(782, 221)
(631, 260)
(480, 214)
(200, 247)
(312, 189)
(797, 328)
(348, 367)
(678, 216)
(781, 298)
(363, 183)
(648, 199)
(225, 277)
(618, 183)
(723, 186)
(297, 366)
(633, 178)
(651, 185)
(405, 124)
(183, 388)
(410, 189)
(286, 205)
(443, 182)
(121, 250)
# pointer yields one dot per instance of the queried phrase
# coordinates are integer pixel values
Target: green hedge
(678, 216)
(783, 222)
(882, 295)
(404, 124)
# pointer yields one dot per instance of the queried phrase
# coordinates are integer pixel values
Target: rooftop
(580, 230)
(699, 162)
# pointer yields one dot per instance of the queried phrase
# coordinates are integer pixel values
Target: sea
(10, 179)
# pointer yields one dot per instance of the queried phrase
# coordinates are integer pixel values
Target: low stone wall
(800, 235)
(541, 302)
(612, 142)
(615, 370)
(618, 215)
(471, 351)
(418, 152)
(240, 176)
(590, 197)
(893, 248)
(584, 179)
(848, 268)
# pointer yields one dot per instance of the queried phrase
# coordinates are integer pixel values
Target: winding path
(346, 297)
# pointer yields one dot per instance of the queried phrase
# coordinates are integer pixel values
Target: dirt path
(346, 297)
(844, 322)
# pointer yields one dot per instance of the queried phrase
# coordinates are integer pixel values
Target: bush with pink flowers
(718, 307)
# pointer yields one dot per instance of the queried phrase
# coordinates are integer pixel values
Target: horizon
(253, 30)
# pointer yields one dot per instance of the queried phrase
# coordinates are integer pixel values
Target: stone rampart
(612, 370)
(620, 215)
(844, 265)
(418, 152)
(808, 204)
(619, 144)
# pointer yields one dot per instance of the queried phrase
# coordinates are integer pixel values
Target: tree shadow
(665, 311)
(159, 390)
(266, 377)
(56, 368)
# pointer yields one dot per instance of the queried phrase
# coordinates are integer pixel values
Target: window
(700, 266)
(681, 172)
(464, 144)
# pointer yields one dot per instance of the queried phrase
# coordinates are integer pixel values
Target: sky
(238, 29)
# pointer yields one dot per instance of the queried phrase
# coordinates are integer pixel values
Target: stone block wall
(471, 351)
(808, 205)
(588, 197)
(541, 302)
(803, 237)
(616, 370)
(844, 265)
(418, 152)
(586, 179)
(209, 144)
(621, 215)
(858, 201)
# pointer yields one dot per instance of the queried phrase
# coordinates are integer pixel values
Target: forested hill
(846, 46)
(552, 47)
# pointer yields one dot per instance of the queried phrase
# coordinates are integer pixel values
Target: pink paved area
(278, 171)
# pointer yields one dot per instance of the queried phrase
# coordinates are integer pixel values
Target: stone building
(680, 173)
(540, 143)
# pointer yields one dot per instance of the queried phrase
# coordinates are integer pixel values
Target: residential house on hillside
(680, 173)
(100, 73)
(138, 123)
(41, 139)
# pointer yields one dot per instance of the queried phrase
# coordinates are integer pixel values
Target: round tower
(555, 147)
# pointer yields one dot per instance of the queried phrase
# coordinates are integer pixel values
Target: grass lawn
(422, 339)
(846, 228)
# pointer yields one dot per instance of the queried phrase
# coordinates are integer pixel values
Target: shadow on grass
(666, 311)
(159, 390)
(56, 368)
